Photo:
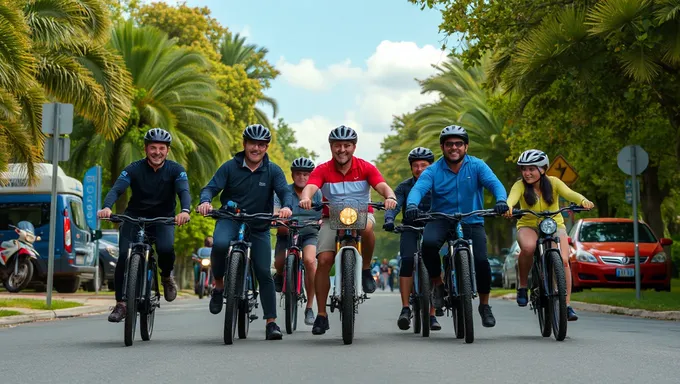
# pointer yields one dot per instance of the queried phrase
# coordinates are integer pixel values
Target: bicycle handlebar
(407, 228)
(457, 216)
(241, 216)
(317, 207)
(140, 220)
(293, 224)
(573, 208)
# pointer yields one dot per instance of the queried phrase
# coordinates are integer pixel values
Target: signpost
(562, 170)
(633, 160)
(92, 187)
(57, 120)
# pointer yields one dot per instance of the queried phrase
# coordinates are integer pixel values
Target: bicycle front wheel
(232, 279)
(131, 299)
(290, 294)
(465, 286)
(348, 294)
(152, 295)
(557, 294)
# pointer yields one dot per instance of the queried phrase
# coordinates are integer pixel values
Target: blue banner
(92, 186)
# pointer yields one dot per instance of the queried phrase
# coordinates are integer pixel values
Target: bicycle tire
(558, 295)
(131, 299)
(465, 282)
(290, 294)
(201, 289)
(348, 294)
(539, 301)
(148, 315)
(232, 279)
(424, 299)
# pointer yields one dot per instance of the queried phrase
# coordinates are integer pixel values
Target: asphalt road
(187, 347)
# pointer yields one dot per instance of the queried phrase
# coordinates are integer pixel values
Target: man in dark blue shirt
(154, 182)
(249, 179)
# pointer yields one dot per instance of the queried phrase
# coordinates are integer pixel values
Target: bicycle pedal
(253, 318)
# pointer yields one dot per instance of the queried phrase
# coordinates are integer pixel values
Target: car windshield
(494, 262)
(110, 237)
(595, 232)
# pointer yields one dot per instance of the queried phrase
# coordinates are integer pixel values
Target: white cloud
(386, 87)
(245, 32)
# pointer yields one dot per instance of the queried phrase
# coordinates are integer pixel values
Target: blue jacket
(457, 193)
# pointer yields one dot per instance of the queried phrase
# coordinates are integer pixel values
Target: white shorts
(327, 235)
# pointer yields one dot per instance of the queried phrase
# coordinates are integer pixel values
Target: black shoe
(571, 314)
(278, 282)
(118, 313)
(438, 312)
(367, 281)
(522, 297)
(169, 288)
(438, 294)
(404, 321)
(273, 332)
(487, 317)
(320, 325)
(216, 301)
(434, 324)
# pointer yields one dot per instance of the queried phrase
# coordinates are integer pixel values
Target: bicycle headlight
(348, 216)
(548, 226)
(205, 262)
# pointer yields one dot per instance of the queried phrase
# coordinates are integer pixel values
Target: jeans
(435, 235)
(163, 236)
(260, 255)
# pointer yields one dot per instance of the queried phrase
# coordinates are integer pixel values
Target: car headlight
(585, 257)
(548, 226)
(659, 258)
(113, 251)
(348, 216)
(205, 262)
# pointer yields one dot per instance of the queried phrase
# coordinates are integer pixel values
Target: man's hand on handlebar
(305, 203)
(285, 213)
(388, 226)
(104, 213)
(182, 218)
(204, 208)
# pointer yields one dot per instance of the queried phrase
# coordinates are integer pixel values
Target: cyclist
(202, 253)
(457, 182)
(249, 179)
(154, 181)
(419, 158)
(344, 176)
(300, 169)
(539, 192)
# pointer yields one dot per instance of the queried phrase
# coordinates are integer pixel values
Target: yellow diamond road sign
(562, 170)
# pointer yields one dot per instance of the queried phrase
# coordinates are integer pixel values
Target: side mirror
(570, 240)
(96, 235)
(664, 241)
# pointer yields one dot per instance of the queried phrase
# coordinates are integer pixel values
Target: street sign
(629, 190)
(92, 195)
(625, 158)
(64, 149)
(562, 170)
(57, 113)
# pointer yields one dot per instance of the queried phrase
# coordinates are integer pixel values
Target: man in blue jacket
(456, 182)
(249, 179)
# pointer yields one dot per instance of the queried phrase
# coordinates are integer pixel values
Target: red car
(602, 254)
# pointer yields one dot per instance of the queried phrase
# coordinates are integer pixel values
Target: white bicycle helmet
(533, 157)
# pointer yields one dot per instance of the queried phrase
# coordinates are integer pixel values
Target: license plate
(625, 272)
(80, 259)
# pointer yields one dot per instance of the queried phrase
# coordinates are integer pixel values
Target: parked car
(110, 235)
(603, 255)
(74, 250)
(108, 258)
(509, 271)
(496, 272)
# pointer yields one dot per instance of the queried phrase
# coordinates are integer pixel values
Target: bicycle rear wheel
(557, 294)
(290, 294)
(348, 294)
(131, 299)
(152, 295)
(232, 280)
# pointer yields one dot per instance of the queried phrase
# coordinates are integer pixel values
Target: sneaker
(309, 316)
(571, 314)
(434, 324)
(487, 316)
(438, 294)
(216, 301)
(278, 282)
(367, 282)
(118, 313)
(169, 288)
(404, 321)
(522, 297)
(320, 325)
(273, 331)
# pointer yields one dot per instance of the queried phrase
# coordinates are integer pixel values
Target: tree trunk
(602, 204)
(121, 203)
(652, 196)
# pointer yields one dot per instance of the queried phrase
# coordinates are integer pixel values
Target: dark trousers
(407, 248)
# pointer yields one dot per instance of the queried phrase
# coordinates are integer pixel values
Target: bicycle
(240, 292)
(294, 272)
(548, 295)
(420, 294)
(137, 292)
(459, 271)
(348, 218)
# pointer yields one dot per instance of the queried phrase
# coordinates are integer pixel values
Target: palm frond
(612, 16)
(639, 64)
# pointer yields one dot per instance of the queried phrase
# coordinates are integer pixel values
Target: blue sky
(349, 62)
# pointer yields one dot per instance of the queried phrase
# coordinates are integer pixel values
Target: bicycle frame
(342, 238)
(141, 246)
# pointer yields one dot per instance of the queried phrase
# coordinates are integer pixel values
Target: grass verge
(5, 312)
(37, 304)
(649, 299)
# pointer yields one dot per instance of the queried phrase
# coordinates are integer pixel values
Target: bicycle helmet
(302, 164)
(454, 131)
(533, 157)
(420, 153)
(257, 132)
(343, 133)
(157, 135)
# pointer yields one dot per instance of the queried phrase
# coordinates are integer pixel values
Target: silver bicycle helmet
(533, 157)
(157, 135)
(302, 164)
(342, 133)
(420, 153)
(257, 132)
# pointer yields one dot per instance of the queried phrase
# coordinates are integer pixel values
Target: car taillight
(68, 247)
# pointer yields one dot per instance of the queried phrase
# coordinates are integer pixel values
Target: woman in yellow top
(539, 192)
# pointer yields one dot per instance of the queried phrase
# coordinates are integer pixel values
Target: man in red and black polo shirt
(345, 176)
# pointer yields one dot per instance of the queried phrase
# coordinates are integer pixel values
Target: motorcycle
(204, 284)
(16, 267)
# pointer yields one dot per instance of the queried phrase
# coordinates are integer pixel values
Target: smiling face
(156, 153)
(530, 173)
(418, 166)
(454, 149)
(343, 151)
(255, 150)
(300, 178)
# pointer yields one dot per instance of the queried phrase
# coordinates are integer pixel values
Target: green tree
(188, 238)
(287, 141)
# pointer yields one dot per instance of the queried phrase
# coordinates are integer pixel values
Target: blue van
(75, 250)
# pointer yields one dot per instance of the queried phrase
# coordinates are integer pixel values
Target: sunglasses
(457, 144)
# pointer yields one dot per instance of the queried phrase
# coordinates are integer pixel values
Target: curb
(50, 315)
(610, 309)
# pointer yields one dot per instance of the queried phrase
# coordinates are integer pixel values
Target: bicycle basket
(348, 214)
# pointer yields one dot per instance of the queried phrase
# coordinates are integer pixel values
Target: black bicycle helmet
(302, 164)
(257, 132)
(343, 133)
(454, 131)
(420, 153)
(157, 135)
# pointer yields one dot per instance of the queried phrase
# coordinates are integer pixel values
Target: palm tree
(54, 50)
(235, 51)
(172, 91)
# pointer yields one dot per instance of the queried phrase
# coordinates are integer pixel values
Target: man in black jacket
(249, 179)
